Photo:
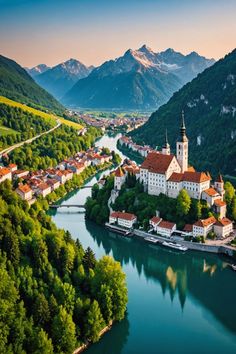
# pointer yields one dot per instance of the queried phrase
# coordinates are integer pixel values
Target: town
(164, 173)
(31, 184)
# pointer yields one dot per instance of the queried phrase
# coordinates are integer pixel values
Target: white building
(5, 173)
(162, 172)
(223, 227)
(203, 227)
(123, 219)
(25, 192)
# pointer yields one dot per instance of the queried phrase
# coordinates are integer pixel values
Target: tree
(41, 343)
(229, 192)
(233, 208)
(105, 301)
(183, 203)
(63, 332)
(89, 260)
(94, 322)
(109, 272)
(41, 310)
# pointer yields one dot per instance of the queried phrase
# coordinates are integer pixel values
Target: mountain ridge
(139, 79)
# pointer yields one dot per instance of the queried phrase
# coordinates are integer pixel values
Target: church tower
(166, 146)
(182, 147)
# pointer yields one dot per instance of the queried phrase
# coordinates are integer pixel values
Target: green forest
(50, 149)
(25, 125)
(54, 295)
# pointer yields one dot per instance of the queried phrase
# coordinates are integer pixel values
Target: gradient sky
(52, 31)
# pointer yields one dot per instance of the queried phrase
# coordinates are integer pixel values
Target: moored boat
(233, 266)
(151, 239)
(175, 246)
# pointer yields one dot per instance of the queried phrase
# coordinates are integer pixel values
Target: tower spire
(166, 146)
(183, 136)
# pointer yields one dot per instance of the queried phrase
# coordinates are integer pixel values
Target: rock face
(140, 79)
(37, 70)
(209, 103)
(60, 78)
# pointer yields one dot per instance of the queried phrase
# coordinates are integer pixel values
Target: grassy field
(4, 131)
(39, 113)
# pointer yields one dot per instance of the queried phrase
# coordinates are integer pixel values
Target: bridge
(57, 206)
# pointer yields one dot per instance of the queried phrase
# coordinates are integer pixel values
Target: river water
(178, 303)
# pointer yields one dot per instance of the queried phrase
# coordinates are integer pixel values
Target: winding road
(13, 147)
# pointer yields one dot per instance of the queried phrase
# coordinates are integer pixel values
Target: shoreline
(193, 246)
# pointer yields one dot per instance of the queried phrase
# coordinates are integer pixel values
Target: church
(163, 172)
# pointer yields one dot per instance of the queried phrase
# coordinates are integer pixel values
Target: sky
(93, 31)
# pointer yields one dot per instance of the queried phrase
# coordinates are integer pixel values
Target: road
(13, 147)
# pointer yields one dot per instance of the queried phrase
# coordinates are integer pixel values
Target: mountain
(60, 78)
(17, 84)
(209, 103)
(140, 79)
(36, 70)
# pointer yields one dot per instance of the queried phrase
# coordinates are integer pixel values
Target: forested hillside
(54, 295)
(209, 103)
(49, 150)
(17, 84)
(24, 124)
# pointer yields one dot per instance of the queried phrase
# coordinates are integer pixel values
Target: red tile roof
(219, 202)
(211, 192)
(205, 222)
(24, 188)
(223, 222)
(155, 219)
(166, 225)
(4, 171)
(176, 177)
(157, 163)
(122, 215)
(188, 228)
(197, 177)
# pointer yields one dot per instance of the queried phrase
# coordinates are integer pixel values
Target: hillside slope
(209, 102)
(16, 84)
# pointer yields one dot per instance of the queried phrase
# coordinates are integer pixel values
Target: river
(178, 303)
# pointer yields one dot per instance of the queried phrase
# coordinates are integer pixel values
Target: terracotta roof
(176, 177)
(4, 171)
(219, 202)
(52, 181)
(166, 224)
(11, 165)
(191, 169)
(219, 179)
(24, 188)
(125, 216)
(205, 222)
(211, 192)
(223, 222)
(196, 177)
(43, 186)
(157, 163)
(155, 219)
(119, 172)
(188, 228)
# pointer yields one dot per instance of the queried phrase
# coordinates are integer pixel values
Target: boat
(233, 266)
(151, 239)
(175, 246)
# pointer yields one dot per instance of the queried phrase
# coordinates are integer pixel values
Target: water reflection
(196, 274)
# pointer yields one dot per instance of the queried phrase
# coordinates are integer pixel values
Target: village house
(219, 208)
(20, 174)
(203, 227)
(25, 192)
(123, 219)
(223, 227)
(162, 227)
(53, 183)
(12, 167)
(5, 173)
(43, 189)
